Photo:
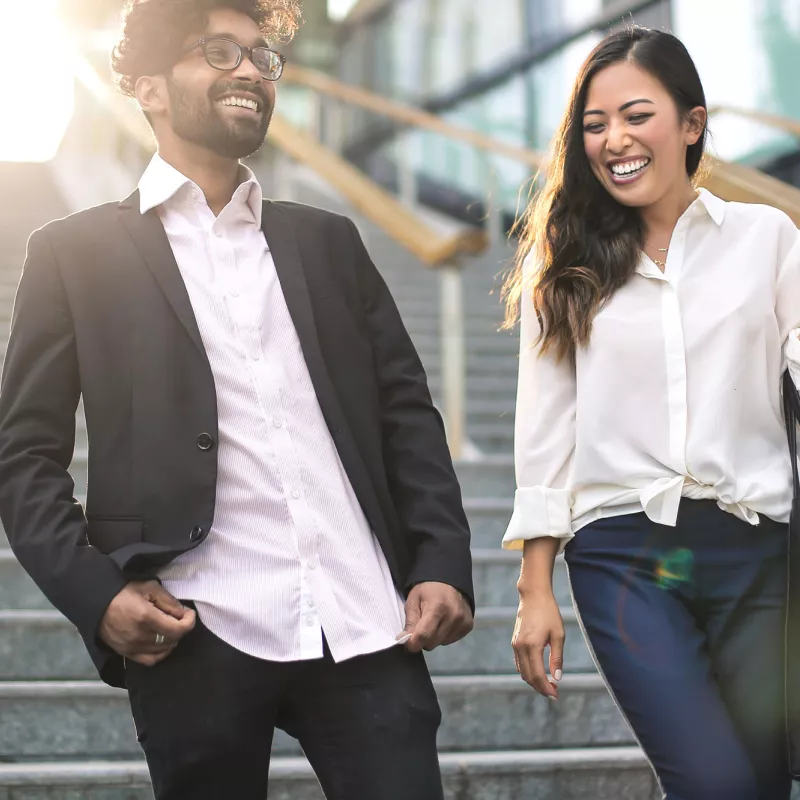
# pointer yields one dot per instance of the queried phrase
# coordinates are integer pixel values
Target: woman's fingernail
(558, 674)
(553, 698)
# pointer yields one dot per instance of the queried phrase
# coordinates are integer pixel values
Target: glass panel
(750, 59)
(550, 85)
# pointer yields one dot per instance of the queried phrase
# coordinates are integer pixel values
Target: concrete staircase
(65, 736)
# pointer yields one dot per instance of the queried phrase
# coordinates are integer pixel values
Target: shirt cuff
(539, 512)
(793, 356)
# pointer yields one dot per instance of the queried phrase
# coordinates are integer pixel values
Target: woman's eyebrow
(621, 108)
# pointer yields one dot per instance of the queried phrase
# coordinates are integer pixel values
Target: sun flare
(36, 80)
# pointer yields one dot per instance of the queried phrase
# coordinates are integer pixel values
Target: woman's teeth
(629, 168)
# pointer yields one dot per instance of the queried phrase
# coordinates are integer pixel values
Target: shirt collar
(714, 205)
(161, 182)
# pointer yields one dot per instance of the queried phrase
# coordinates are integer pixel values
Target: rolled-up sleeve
(787, 308)
(544, 438)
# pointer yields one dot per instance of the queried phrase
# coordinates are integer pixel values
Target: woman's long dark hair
(587, 244)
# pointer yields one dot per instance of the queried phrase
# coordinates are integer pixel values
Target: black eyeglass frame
(243, 50)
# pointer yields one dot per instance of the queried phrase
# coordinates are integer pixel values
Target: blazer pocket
(108, 534)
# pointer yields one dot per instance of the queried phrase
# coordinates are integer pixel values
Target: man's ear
(151, 94)
(696, 124)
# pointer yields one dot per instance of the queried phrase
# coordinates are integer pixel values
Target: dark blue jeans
(687, 626)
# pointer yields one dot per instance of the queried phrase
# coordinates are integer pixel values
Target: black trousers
(205, 718)
(687, 625)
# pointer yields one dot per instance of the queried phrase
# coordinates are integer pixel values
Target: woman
(656, 321)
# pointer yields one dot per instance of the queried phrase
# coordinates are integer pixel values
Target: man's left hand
(436, 614)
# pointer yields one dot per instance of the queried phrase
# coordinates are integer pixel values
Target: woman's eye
(638, 119)
(595, 127)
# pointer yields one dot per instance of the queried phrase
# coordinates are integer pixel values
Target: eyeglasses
(225, 54)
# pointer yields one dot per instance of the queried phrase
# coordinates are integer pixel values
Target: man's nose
(246, 71)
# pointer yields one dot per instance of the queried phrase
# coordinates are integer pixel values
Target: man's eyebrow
(260, 42)
(621, 108)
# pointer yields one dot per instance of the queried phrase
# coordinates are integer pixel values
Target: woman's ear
(151, 94)
(696, 121)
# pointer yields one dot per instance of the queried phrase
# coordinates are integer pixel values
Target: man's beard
(198, 120)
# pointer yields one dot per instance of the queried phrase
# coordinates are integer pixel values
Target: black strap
(791, 413)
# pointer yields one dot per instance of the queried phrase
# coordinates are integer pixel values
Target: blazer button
(196, 535)
(205, 441)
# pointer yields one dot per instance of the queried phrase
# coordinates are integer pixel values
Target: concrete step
(493, 436)
(488, 518)
(495, 574)
(43, 645)
(613, 773)
(87, 719)
(490, 476)
(489, 342)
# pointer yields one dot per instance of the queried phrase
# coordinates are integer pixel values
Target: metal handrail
(773, 120)
(408, 115)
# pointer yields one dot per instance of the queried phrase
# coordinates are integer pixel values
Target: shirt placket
(247, 308)
(675, 355)
(269, 378)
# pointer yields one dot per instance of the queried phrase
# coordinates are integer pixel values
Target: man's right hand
(137, 615)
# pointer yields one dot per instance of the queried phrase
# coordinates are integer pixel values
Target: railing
(773, 120)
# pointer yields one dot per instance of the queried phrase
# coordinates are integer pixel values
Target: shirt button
(277, 422)
(313, 563)
(234, 292)
(309, 621)
(296, 494)
(309, 604)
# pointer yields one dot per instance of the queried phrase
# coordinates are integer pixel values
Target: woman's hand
(539, 624)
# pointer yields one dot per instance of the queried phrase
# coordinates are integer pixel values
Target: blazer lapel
(282, 241)
(151, 240)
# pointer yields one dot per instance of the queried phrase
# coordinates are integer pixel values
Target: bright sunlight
(36, 80)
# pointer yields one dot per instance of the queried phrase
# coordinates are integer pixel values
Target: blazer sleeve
(39, 394)
(787, 307)
(419, 469)
(544, 437)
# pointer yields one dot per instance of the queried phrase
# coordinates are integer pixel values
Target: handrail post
(407, 187)
(494, 203)
(334, 125)
(317, 117)
(453, 357)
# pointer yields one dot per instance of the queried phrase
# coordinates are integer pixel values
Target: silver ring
(160, 638)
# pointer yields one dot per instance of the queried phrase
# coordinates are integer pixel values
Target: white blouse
(678, 392)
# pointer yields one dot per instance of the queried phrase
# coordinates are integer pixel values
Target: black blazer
(102, 312)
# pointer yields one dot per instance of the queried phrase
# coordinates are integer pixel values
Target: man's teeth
(242, 102)
(630, 167)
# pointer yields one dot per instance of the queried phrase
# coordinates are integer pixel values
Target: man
(270, 498)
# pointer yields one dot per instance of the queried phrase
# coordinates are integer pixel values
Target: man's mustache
(246, 88)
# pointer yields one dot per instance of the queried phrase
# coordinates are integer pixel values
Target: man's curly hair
(155, 30)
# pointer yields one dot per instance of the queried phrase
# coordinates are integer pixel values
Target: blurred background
(426, 122)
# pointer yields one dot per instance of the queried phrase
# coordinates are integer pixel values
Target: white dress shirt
(290, 553)
(677, 393)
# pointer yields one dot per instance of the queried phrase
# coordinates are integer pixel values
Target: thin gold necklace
(662, 265)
